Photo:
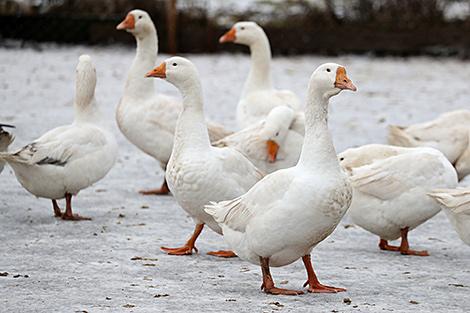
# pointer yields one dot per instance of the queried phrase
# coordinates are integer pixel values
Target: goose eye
(341, 159)
(328, 70)
(242, 28)
(174, 64)
(277, 134)
(140, 16)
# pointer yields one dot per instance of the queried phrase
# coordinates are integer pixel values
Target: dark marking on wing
(50, 161)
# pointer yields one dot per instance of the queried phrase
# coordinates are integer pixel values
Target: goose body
(147, 119)
(449, 133)
(390, 187)
(197, 172)
(68, 158)
(5, 140)
(258, 97)
(285, 215)
(270, 144)
(456, 205)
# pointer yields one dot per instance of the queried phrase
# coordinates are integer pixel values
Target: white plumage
(148, 119)
(390, 188)
(68, 158)
(197, 172)
(270, 144)
(258, 97)
(284, 216)
(449, 133)
(456, 205)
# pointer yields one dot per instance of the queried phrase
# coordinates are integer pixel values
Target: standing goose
(270, 144)
(68, 158)
(449, 133)
(258, 97)
(5, 140)
(390, 189)
(198, 173)
(456, 204)
(284, 216)
(145, 118)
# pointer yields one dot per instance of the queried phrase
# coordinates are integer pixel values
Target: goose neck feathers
(137, 87)
(259, 77)
(85, 104)
(191, 128)
(318, 150)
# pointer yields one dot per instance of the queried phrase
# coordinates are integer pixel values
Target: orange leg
(405, 248)
(223, 254)
(163, 190)
(312, 280)
(68, 215)
(189, 246)
(268, 283)
(55, 206)
(383, 245)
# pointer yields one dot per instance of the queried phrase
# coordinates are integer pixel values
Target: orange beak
(128, 23)
(159, 71)
(229, 36)
(272, 148)
(342, 80)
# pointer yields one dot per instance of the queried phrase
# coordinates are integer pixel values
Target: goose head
(137, 22)
(330, 79)
(275, 129)
(85, 81)
(178, 71)
(245, 33)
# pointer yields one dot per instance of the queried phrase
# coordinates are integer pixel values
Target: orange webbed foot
(319, 288)
(184, 250)
(75, 217)
(415, 252)
(223, 254)
(281, 291)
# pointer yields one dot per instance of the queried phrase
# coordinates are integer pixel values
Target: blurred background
(375, 27)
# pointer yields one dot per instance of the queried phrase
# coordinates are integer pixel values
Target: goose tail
(397, 136)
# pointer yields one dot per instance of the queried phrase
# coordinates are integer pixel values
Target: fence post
(172, 15)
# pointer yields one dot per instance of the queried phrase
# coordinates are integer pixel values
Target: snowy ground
(89, 266)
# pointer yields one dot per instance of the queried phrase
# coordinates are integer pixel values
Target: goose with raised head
(68, 158)
(5, 141)
(258, 97)
(270, 144)
(390, 186)
(148, 119)
(456, 205)
(449, 133)
(284, 216)
(197, 172)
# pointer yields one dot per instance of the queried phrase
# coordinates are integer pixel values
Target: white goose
(456, 204)
(258, 97)
(68, 158)
(147, 119)
(449, 133)
(284, 216)
(5, 140)
(270, 144)
(198, 173)
(390, 189)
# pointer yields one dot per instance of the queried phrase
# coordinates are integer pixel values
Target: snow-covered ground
(92, 266)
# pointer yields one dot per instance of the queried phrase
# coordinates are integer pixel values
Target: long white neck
(86, 110)
(137, 85)
(259, 77)
(318, 151)
(191, 128)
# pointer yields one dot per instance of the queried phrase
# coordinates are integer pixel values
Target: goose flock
(276, 187)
